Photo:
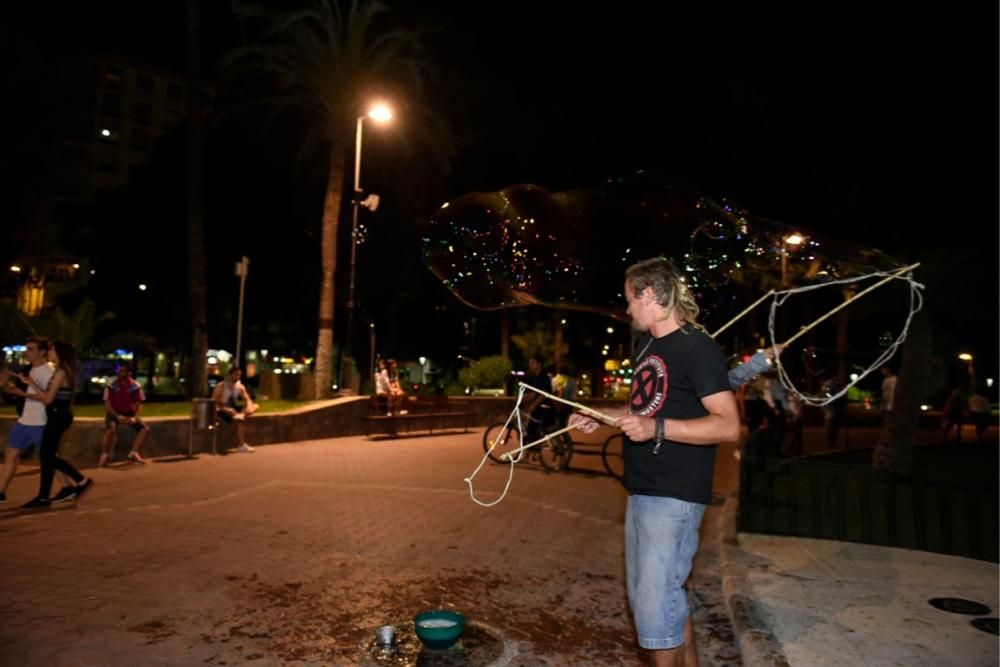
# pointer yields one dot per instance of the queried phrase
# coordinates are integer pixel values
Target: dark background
(869, 124)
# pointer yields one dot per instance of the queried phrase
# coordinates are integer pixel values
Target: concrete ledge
(758, 645)
(169, 436)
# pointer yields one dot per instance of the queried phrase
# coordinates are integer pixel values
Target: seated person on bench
(387, 384)
(233, 405)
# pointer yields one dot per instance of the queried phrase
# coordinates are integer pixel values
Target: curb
(758, 645)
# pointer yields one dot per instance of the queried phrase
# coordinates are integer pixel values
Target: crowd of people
(43, 393)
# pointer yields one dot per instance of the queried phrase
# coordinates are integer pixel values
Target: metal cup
(386, 635)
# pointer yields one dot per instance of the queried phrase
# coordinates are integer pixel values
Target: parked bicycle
(553, 454)
(613, 455)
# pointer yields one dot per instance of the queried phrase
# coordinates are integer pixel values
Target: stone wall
(327, 419)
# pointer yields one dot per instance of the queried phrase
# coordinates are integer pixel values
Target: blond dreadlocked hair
(668, 286)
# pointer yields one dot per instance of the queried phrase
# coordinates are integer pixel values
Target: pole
(371, 343)
(347, 353)
(784, 263)
(242, 268)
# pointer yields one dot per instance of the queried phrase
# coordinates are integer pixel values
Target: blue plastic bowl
(439, 628)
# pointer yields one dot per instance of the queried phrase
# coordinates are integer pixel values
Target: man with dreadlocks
(681, 407)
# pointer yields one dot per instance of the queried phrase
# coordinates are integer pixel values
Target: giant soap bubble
(526, 246)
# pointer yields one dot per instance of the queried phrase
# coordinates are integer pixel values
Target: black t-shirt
(671, 377)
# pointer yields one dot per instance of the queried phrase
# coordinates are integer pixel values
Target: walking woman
(58, 400)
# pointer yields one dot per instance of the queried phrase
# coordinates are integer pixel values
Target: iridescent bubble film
(526, 246)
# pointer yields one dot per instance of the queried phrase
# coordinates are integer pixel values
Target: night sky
(862, 123)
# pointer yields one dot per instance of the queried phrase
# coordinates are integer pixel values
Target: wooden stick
(508, 455)
(747, 310)
(582, 408)
(893, 276)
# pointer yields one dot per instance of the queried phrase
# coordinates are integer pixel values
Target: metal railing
(813, 497)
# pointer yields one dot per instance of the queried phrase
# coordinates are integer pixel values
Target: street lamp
(791, 239)
(967, 358)
(380, 113)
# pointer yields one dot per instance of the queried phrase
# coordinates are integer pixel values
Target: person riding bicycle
(537, 406)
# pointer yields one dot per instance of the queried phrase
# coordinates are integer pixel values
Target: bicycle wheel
(510, 440)
(613, 455)
(555, 453)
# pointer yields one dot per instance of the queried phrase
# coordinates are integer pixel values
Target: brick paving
(294, 554)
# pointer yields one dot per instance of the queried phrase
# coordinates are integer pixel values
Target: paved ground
(850, 605)
(294, 554)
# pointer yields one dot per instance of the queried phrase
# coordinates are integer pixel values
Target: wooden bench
(434, 413)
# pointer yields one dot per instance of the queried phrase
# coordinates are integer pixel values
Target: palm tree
(326, 64)
(197, 370)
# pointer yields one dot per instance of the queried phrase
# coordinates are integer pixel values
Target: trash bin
(202, 414)
(202, 419)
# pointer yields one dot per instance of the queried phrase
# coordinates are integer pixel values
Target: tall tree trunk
(197, 379)
(505, 333)
(894, 451)
(328, 250)
(558, 325)
(843, 341)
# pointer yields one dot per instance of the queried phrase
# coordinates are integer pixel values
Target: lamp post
(791, 239)
(967, 358)
(380, 113)
(242, 268)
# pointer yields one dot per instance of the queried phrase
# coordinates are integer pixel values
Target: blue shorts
(661, 539)
(22, 437)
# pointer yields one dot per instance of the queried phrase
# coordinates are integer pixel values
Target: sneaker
(134, 456)
(36, 503)
(65, 493)
(103, 463)
(83, 487)
(245, 448)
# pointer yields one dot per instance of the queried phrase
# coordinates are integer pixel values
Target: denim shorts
(661, 539)
(21, 436)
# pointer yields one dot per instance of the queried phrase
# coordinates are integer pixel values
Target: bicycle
(554, 454)
(613, 455)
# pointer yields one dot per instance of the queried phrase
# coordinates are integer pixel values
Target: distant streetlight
(791, 239)
(15, 268)
(142, 287)
(380, 113)
(967, 358)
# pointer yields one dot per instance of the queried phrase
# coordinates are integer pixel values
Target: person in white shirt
(27, 432)
(233, 405)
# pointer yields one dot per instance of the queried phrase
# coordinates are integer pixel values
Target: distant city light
(611, 330)
(142, 287)
(794, 239)
(989, 382)
(965, 356)
(76, 266)
(105, 133)
(15, 268)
